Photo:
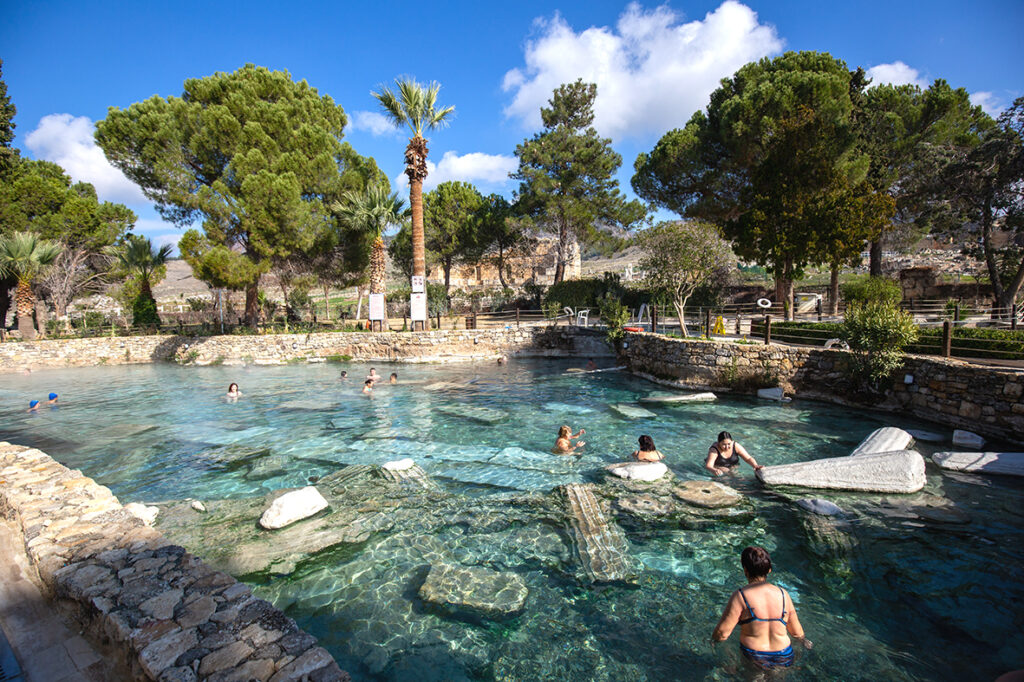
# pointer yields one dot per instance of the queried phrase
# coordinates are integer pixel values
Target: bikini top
(781, 619)
(726, 461)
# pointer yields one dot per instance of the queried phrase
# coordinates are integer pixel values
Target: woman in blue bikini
(765, 614)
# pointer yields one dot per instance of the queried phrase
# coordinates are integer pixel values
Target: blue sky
(65, 63)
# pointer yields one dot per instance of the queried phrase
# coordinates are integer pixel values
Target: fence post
(819, 310)
(438, 320)
(654, 319)
(517, 316)
(739, 325)
(947, 338)
(767, 330)
(956, 312)
(1013, 317)
(475, 326)
(707, 323)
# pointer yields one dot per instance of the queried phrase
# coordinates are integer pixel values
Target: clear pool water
(919, 587)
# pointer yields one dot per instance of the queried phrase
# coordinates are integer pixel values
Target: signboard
(418, 307)
(418, 285)
(377, 307)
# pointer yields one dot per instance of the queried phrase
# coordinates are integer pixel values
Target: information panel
(418, 307)
(377, 307)
(418, 284)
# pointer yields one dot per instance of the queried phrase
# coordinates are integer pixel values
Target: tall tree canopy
(769, 161)
(24, 256)
(907, 133)
(503, 234)
(253, 154)
(566, 173)
(451, 224)
(8, 155)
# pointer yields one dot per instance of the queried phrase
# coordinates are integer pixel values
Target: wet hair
(394, 375)
(756, 562)
(373, 369)
(368, 382)
(724, 435)
(232, 386)
(646, 444)
(564, 432)
(53, 396)
(344, 373)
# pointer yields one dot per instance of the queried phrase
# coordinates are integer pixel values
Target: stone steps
(601, 546)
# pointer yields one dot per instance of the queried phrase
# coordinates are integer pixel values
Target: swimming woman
(724, 455)
(765, 613)
(564, 444)
(33, 406)
(233, 392)
(368, 387)
(647, 451)
(52, 399)
(393, 379)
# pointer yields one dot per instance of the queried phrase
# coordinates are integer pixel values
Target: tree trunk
(784, 288)
(5, 300)
(252, 304)
(680, 306)
(562, 252)
(327, 302)
(833, 291)
(447, 266)
(501, 268)
(416, 171)
(24, 301)
(41, 317)
(359, 303)
(875, 259)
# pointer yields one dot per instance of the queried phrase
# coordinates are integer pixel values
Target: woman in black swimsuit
(725, 454)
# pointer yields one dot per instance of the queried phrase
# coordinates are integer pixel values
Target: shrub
(144, 311)
(877, 333)
(615, 315)
(868, 289)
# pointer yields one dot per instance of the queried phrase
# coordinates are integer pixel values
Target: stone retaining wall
(158, 612)
(434, 346)
(986, 400)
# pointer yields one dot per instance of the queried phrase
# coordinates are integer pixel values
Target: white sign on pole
(418, 284)
(418, 307)
(377, 307)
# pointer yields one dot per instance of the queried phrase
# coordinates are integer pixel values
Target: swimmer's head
(564, 432)
(647, 444)
(394, 377)
(233, 388)
(724, 436)
(368, 382)
(32, 403)
(53, 396)
(756, 562)
(344, 374)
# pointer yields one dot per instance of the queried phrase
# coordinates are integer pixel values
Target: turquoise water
(926, 586)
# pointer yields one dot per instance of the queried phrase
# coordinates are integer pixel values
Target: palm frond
(414, 104)
(24, 255)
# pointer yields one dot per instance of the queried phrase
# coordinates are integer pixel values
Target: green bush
(868, 289)
(615, 315)
(877, 333)
(144, 311)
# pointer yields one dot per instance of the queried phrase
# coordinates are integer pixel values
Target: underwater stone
(1006, 463)
(819, 506)
(926, 436)
(476, 590)
(198, 506)
(399, 464)
(775, 393)
(644, 505)
(679, 397)
(885, 439)
(140, 511)
(292, 507)
(707, 494)
(883, 472)
(968, 439)
(632, 411)
(601, 546)
(484, 415)
(639, 471)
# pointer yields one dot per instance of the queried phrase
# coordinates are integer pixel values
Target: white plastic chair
(583, 318)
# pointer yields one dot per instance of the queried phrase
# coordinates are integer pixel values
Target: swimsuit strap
(783, 594)
(744, 621)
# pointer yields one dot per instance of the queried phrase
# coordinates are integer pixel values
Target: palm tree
(137, 257)
(414, 105)
(24, 256)
(371, 212)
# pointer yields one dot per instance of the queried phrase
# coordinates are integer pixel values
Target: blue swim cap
(33, 403)
(52, 396)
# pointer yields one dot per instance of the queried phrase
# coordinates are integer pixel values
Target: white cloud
(475, 167)
(67, 140)
(896, 73)
(652, 71)
(373, 122)
(988, 102)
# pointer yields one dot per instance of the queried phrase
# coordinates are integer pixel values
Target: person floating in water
(591, 365)
(564, 444)
(52, 399)
(502, 360)
(368, 386)
(724, 455)
(233, 392)
(33, 406)
(394, 378)
(647, 451)
(764, 638)
(373, 376)
(344, 376)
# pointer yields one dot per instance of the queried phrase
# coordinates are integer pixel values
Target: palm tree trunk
(24, 301)
(41, 317)
(378, 271)
(416, 171)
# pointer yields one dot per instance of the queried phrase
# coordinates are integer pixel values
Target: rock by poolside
(140, 511)
(1005, 463)
(883, 472)
(885, 439)
(775, 393)
(819, 506)
(707, 494)
(926, 436)
(679, 397)
(292, 507)
(474, 591)
(968, 439)
(639, 471)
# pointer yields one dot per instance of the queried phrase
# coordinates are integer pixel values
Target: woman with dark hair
(724, 455)
(233, 392)
(647, 451)
(764, 636)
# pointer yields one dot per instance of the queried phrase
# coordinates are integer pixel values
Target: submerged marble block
(1006, 463)
(885, 439)
(818, 506)
(399, 464)
(632, 411)
(882, 472)
(475, 590)
(600, 544)
(707, 494)
(639, 471)
(774, 393)
(926, 436)
(292, 507)
(968, 439)
(140, 511)
(705, 397)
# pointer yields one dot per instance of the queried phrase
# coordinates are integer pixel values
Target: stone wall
(986, 400)
(434, 346)
(158, 612)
